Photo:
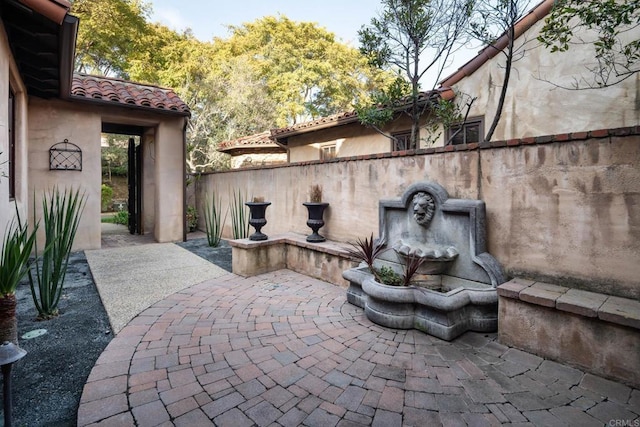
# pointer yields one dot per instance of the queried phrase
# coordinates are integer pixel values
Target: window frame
(331, 148)
(11, 127)
(472, 121)
(403, 137)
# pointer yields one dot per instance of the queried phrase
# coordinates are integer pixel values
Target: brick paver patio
(285, 349)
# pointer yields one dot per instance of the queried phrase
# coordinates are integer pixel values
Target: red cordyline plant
(411, 265)
(367, 251)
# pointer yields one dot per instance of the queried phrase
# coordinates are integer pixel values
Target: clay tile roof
(541, 10)
(348, 117)
(257, 141)
(127, 94)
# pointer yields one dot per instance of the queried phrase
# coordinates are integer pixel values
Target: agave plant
(61, 216)
(367, 251)
(14, 264)
(213, 221)
(239, 216)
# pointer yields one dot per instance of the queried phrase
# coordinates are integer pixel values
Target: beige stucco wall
(11, 77)
(168, 156)
(52, 121)
(561, 211)
(257, 159)
(351, 140)
(535, 105)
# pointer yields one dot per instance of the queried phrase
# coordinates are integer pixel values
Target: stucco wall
(351, 140)
(12, 78)
(536, 105)
(565, 211)
(52, 121)
(257, 159)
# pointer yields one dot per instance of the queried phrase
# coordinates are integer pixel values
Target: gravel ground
(48, 381)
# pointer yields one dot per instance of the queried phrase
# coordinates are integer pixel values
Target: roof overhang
(261, 143)
(42, 38)
(282, 135)
(536, 14)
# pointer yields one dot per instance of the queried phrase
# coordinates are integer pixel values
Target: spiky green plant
(61, 215)
(411, 265)
(239, 215)
(367, 251)
(17, 244)
(213, 220)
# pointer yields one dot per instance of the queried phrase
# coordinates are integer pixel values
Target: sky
(210, 18)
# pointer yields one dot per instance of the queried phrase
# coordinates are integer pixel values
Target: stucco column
(169, 181)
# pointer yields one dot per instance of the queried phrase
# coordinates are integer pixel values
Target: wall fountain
(455, 290)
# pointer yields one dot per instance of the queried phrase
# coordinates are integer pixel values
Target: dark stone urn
(315, 221)
(257, 219)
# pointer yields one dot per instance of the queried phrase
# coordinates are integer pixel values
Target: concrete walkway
(130, 279)
(285, 349)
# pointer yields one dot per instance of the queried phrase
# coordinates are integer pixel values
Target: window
(402, 141)
(470, 131)
(12, 145)
(328, 152)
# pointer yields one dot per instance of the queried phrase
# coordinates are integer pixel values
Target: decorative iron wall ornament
(65, 156)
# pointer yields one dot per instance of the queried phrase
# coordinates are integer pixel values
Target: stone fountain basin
(436, 258)
(462, 306)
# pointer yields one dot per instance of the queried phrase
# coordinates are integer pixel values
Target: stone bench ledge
(622, 311)
(295, 239)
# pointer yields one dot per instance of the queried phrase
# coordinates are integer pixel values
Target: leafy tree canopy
(306, 71)
(611, 29)
(268, 73)
(411, 37)
(110, 36)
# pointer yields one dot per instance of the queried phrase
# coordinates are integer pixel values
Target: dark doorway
(128, 208)
(135, 187)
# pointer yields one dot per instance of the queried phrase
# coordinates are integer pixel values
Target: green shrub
(192, 218)
(121, 217)
(389, 277)
(106, 197)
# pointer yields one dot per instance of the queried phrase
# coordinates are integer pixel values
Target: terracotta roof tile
(127, 94)
(262, 139)
(541, 10)
(350, 116)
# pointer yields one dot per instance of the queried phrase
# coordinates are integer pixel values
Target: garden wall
(562, 208)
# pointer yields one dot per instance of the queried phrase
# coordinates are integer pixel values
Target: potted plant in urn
(257, 210)
(316, 208)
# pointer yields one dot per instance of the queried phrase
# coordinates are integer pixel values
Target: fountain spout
(437, 257)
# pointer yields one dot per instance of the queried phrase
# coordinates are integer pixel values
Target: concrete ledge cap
(294, 239)
(581, 302)
(544, 294)
(623, 311)
(512, 288)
